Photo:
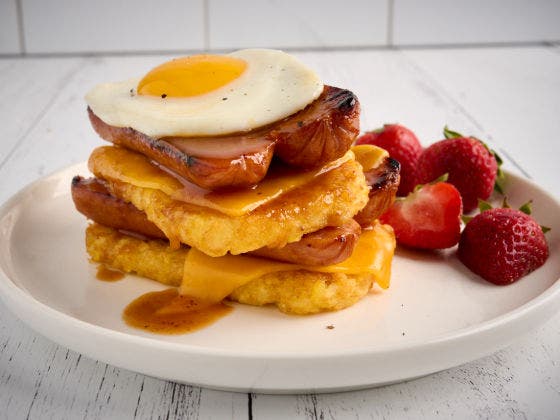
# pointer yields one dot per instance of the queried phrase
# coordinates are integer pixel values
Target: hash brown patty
(330, 199)
(293, 292)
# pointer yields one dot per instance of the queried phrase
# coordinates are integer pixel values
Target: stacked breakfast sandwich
(235, 177)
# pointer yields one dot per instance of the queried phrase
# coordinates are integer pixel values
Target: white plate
(436, 314)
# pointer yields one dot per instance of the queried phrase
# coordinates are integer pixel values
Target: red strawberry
(428, 218)
(471, 166)
(403, 145)
(503, 245)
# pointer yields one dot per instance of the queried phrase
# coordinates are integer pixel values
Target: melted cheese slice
(212, 279)
(115, 163)
(369, 156)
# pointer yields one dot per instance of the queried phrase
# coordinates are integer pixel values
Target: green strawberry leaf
(466, 219)
(545, 229)
(499, 184)
(526, 208)
(450, 134)
(442, 178)
(499, 160)
(500, 175)
(484, 205)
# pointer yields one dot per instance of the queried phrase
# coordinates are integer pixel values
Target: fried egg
(209, 95)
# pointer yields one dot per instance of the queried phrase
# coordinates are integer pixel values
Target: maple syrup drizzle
(168, 312)
(105, 273)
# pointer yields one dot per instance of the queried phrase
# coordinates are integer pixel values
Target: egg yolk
(191, 76)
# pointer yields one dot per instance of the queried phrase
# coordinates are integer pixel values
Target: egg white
(273, 86)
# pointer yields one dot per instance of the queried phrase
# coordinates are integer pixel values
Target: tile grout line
(342, 48)
(250, 406)
(462, 109)
(63, 81)
(21, 32)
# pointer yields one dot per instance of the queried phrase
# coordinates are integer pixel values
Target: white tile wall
(83, 26)
(475, 21)
(112, 25)
(296, 23)
(9, 30)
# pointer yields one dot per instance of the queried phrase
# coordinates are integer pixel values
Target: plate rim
(364, 367)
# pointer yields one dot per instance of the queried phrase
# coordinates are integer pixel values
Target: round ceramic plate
(435, 315)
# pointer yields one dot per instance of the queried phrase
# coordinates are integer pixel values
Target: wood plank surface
(507, 96)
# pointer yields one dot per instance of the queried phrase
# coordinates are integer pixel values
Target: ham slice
(318, 134)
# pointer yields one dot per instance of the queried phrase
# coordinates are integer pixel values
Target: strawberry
(471, 166)
(403, 145)
(428, 218)
(502, 245)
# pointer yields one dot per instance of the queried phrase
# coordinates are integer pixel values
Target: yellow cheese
(369, 156)
(120, 164)
(116, 163)
(214, 278)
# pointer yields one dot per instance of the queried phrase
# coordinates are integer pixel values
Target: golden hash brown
(295, 292)
(153, 259)
(330, 199)
(304, 292)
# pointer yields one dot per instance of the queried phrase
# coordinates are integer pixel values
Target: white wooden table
(509, 96)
